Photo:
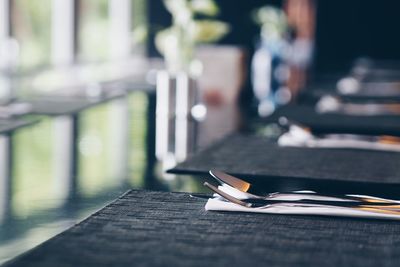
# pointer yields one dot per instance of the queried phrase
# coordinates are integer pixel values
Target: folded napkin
(298, 137)
(219, 204)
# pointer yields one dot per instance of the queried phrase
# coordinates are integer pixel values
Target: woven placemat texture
(253, 155)
(172, 229)
(339, 123)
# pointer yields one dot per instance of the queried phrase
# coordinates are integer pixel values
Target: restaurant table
(147, 228)
(260, 159)
(66, 111)
(7, 128)
(338, 123)
(384, 93)
(53, 105)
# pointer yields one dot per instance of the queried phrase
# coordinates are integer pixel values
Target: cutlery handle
(264, 202)
(339, 197)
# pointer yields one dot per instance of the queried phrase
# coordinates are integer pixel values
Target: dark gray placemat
(172, 229)
(253, 155)
(339, 123)
(313, 95)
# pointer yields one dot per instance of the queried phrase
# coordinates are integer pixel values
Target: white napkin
(298, 137)
(219, 204)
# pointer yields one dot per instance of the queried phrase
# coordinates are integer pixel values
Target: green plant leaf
(204, 7)
(206, 31)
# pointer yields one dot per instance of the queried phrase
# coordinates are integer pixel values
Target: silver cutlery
(260, 202)
(254, 191)
(389, 210)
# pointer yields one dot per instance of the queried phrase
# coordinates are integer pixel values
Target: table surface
(58, 106)
(146, 228)
(339, 123)
(9, 125)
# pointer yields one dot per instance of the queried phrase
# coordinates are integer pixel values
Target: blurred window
(94, 29)
(31, 26)
(140, 26)
(93, 44)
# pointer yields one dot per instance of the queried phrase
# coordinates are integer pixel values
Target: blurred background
(100, 96)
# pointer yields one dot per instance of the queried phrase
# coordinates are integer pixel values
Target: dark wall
(238, 14)
(347, 29)
(235, 12)
(159, 18)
